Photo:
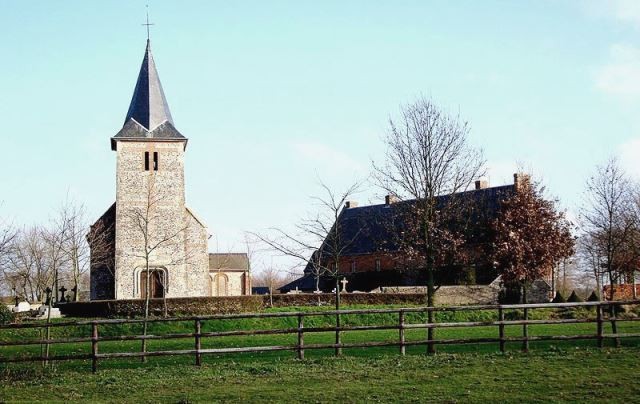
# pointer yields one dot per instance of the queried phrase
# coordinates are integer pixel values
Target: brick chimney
(521, 180)
(350, 204)
(390, 199)
(482, 184)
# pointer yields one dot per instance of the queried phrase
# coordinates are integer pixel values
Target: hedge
(191, 306)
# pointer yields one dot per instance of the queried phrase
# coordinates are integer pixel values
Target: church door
(156, 287)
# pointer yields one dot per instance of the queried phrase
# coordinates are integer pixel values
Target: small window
(353, 266)
(378, 264)
(155, 161)
(146, 161)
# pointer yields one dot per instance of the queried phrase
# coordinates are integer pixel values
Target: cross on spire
(147, 24)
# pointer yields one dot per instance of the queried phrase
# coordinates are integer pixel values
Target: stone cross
(62, 290)
(344, 282)
(75, 292)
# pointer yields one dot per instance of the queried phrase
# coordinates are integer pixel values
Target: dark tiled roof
(372, 229)
(368, 229)
(148, 117)
(307, 283)
(228, 261)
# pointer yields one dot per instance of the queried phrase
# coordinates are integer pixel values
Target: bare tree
(591, 260)
(271, 278)
(608, 223)
(428, 156)
(75, 245)
(319, 242)
(8, 235)
(27, 265)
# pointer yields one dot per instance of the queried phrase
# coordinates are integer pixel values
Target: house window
(155, 161)
(378, 264)
(353, 266)
(146, 161)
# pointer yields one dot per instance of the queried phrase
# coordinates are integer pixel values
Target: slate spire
(148, 117)
(148, 105)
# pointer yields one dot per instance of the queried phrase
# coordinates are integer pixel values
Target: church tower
(155, 236)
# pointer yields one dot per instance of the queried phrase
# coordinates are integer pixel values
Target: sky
(275, 96)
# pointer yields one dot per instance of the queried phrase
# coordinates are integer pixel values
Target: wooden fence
(605, 312)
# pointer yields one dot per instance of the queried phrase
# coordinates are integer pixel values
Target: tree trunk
(145, 324)
(431, 349)
(525, 330)
(338, 350)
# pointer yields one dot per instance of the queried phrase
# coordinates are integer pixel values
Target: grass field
(578, 375)
(573, 371)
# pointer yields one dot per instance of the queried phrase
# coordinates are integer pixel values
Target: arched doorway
(219, 285)
(157, 281)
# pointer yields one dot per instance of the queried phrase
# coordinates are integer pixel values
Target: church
(149, 241)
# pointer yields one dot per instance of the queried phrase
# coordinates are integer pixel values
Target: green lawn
(553, 370)
(578, 375)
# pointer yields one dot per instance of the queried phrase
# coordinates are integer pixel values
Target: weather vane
(148, 24)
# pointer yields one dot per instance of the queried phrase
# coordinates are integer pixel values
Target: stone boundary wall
(466, 295)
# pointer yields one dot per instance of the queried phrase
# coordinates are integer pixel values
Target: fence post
(198, 326)
(501, 327)
(300, 336)
(401, 331)
(525, 332)
(430, 331)
(338, 339)
(94, 347)
(599, 325)
(614, 325)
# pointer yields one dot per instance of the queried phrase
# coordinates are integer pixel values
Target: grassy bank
(578, 375)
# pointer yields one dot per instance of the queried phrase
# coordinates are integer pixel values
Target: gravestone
(43, 313)
(22, 307)
(344, 282)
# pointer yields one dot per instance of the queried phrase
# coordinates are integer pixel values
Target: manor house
(149, 241)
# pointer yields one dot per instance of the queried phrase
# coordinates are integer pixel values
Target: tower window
(353, 266)
(146, 161)
(155, 161)
(378, 264)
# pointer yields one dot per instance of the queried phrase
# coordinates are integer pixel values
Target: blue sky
(276, 94)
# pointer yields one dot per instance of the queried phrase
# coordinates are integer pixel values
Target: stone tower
(155, 235)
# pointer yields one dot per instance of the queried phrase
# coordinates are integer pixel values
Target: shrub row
(228, 304)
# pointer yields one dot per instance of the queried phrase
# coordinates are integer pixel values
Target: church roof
(226, 261)
(148, 116)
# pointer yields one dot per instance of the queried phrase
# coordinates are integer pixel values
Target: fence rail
(602, 316)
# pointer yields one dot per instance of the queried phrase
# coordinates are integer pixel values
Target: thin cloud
(625, 11)
(629, 152)
(621, 76)
(327, 158)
